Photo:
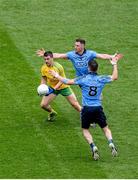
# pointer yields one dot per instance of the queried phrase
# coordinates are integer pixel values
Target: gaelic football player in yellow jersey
(55, 85)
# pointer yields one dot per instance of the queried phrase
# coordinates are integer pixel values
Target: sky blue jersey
(80, 62)
(92, 85)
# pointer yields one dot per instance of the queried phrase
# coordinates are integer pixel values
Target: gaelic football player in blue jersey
(92, 85)
(79, 57)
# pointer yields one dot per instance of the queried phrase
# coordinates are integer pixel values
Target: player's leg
(93, 125)
(73, 101)
(70, 96)
(88, 137)
(86, 115)
(101, 120)
(108, 135)
(45, 105)
(46, 101)
(107, 132)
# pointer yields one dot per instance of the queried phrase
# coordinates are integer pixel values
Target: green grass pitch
(33, 148)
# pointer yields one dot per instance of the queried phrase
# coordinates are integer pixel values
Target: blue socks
(92, 145)
(110, 141)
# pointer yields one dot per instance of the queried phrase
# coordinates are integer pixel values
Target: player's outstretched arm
(62, 79)
(106, 56)
(58, 85)
(40, 53)
(114, 75)
(59, 56)
(116, 58)
(114, 61)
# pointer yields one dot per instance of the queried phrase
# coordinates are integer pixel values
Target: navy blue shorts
(91, 114)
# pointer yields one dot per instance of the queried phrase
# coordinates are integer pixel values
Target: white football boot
(113, 149)
(95, 153)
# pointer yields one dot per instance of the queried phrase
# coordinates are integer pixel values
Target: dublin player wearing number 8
(92, 85)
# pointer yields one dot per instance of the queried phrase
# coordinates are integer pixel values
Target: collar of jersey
(93, 73)
(82, 53)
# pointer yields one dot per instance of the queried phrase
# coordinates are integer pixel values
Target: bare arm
(41, 52)
(43, 80)
(114, 75)
(62, 79)
(59, 56)
(58, 85)
(105, 56)
(114, 61)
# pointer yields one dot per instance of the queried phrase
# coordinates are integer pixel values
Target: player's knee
(106, 129)
(87, 135)
(74, 103)
(43, 105)
(85, 132)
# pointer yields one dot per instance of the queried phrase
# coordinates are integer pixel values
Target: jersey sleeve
(42, 71)
(69, 55)
(79, 80)
(105, 79)
(93, 54)
(61, 71)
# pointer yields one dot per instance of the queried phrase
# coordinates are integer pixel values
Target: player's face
(79, 47)
(48, 60)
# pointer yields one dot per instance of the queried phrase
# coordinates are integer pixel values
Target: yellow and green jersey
(52, 81)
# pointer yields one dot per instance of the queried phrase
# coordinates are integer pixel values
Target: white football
(42, 89)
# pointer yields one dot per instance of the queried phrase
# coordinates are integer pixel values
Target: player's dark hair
(93, 65)
(82, 41)
(48, 53)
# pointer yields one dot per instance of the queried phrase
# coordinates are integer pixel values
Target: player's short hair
(93, 65)
(82, 41)
(48, 53)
